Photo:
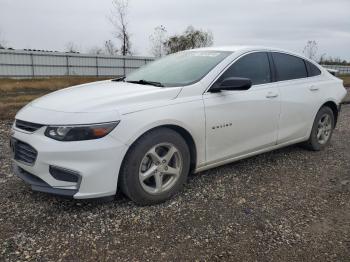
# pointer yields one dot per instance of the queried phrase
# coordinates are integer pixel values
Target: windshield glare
(179, 69)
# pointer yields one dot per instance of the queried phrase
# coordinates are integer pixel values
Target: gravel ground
(347, 98)
(287, 205)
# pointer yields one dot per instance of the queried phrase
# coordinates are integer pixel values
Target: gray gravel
(287, 205)
(347, 98)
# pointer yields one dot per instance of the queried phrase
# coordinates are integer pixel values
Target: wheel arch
(185, 134)
(189, 141)
(333, 106)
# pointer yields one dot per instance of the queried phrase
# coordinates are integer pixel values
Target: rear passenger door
(241, 122)
(299, 95)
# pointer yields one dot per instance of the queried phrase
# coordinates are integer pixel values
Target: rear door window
(289, 67)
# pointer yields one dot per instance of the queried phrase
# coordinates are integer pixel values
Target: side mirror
(231, 84)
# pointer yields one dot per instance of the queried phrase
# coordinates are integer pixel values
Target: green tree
(191, 38)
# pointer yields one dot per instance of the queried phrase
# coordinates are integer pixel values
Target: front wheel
(156, 167)
(322, 130)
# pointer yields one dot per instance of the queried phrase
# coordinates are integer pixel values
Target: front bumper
(40, 185)
(95, 162)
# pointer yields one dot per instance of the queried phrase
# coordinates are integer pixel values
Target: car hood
(103, 96)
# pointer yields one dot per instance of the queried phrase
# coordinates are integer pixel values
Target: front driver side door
(242, 122)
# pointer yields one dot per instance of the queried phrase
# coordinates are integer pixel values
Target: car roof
(232, 48)
(244, 48)
(250, 48)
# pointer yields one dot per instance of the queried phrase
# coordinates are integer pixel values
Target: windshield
(178, 69)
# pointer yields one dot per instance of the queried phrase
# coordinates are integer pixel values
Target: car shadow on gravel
(75, 205)
(256, 163)
(237, 169)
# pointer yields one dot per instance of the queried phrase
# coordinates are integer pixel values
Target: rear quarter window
(289, 67)
(312, 69)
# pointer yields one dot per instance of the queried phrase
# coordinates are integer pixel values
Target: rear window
(312, 69)
(289, 67)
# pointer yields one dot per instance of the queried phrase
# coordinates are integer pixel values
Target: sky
(288, 24)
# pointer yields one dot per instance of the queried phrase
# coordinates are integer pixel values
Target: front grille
(27, 126)
(23, 152)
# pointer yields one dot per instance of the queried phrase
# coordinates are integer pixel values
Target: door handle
(271, 95)
(314, 88)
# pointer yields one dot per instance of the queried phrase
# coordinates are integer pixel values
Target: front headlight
(80, 132)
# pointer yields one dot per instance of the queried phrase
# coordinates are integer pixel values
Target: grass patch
(16, 93)
(346, 79)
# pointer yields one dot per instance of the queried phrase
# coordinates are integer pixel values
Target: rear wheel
(156, 167)
(322, 130)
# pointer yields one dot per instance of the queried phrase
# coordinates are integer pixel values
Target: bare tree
(191, 38)
(158, 40)
(96, 50)
(119, 19)
(322, 58)
(71, 48)
(334, 61)
(110, 48)
(3, 43)
(310, 50)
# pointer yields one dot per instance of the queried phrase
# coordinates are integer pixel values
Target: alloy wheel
(160, 168)
(324, 129)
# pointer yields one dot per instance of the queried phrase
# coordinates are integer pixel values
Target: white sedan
(187, 112)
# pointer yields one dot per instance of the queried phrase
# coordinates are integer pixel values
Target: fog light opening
(64, 174)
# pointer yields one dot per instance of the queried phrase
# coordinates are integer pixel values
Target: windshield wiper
(119, 79)
(145, 82)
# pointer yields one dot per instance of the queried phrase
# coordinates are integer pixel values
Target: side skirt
(233, 159)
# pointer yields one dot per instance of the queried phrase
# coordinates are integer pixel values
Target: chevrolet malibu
(188, 112)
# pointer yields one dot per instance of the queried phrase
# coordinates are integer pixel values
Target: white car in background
(187, 112)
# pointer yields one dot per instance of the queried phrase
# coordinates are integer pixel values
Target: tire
(315, 142)
(155, 167)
